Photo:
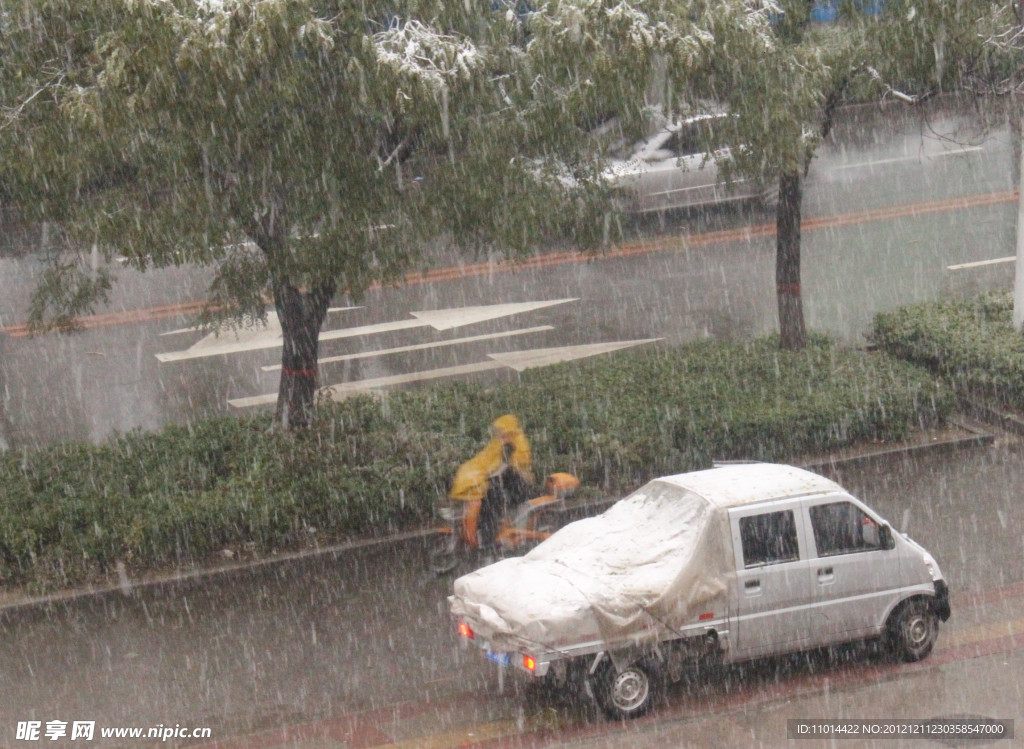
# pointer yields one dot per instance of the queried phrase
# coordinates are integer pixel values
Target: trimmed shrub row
(71, 512)
(969, 343)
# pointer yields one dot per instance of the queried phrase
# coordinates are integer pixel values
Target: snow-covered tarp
(650, 564)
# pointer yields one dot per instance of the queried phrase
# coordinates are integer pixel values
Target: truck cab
(825, 569)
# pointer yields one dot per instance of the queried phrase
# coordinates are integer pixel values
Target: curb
(1005, 420)
(978, 436)
(128, 588)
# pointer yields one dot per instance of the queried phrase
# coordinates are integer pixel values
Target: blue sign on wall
(827, 11)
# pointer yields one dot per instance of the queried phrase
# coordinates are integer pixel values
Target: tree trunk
(302, 313)
(787, 262)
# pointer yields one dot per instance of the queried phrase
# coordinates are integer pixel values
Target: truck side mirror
(886, 541)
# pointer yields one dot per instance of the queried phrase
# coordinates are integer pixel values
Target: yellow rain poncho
(508, 446)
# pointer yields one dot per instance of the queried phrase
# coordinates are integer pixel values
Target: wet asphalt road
(365, 630)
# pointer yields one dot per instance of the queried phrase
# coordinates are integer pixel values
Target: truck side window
(769, 538)
(843, 528)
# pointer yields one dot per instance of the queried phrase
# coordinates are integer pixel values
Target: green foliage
(971, 343)
(70, 292)
(367, 466)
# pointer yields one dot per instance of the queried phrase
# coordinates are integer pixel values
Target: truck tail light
(529, 663)
(466, 631)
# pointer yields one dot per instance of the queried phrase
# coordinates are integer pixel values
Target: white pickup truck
(735, 562)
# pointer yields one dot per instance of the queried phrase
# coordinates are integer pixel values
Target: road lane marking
(121, 317)
(270, 336)
(983, 632)
(473, 270)
(518, 360)
(690, 241)
(420, 346)
(903, 159)
(468, 736)
(981, 263)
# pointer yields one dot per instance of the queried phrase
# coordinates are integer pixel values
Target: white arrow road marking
(445, 319)
(231, 341)
(519, 360)
(227, 329)
(420, 346)
(442, 319)
(543, 357)
(345, 389)
(982, 263)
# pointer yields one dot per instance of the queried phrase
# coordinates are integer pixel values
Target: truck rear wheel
(626, 693)
(913, 629)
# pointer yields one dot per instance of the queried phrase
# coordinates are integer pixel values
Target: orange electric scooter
(518, 532)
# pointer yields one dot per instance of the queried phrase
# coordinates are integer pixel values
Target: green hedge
(71, 512)
(970, 343)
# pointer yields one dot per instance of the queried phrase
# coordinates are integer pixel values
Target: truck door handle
(752, 584)
(825, 575)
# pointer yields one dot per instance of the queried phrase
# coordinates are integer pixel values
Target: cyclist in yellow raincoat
(499, 477)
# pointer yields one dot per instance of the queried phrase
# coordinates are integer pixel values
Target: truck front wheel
(628, 693)
(913, 629)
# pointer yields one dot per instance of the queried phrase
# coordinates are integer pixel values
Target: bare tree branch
(11, 114)
(908, 98)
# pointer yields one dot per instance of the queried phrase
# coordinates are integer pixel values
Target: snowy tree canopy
(947, 44)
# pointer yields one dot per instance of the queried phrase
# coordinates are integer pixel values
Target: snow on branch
(599, 20)
(637, 24)
(908, 98)
(414, 49)
(11, 114)
(1010, 40)
(766, 6)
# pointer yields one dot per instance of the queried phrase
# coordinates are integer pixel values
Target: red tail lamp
(466, 631)
(529, 663)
